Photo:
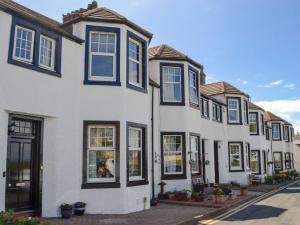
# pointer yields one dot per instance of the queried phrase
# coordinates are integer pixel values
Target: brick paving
(162, 214)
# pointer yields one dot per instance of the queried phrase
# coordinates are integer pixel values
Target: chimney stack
(74, 14)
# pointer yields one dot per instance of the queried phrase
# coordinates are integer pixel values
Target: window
(136, 62)
(278, 161)
(205, 107)
(262, 124)
(233, 110)
(47, 52)
(246, 112)
(255, 161)
(267, 133)
(136, 154)
(172, 84)
(195, 154)
(35, 47)
(173, 155)
(276, 131)
(101, 154)
(292, 134)
(102, 62)
(265, 161)
(247, 155)
(24, 42)
(235, 157)
(217, 112)
(253, 122)
(288, 161)
(193, 86)
(286, 133)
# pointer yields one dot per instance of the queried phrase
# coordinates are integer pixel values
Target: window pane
(233, 115)
(193, 87)
(46, 49)
(134, 51)
(255, 161)
(172, 154)
(135, 163)
(235, 156)
(277, 161)
(103, 43)
(102, 66)
(101, 137)
(101, 164)
(134, 70)
(172, 84)
(194, 154)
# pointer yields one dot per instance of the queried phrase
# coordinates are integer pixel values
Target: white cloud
(272, 84)
(287, 109)
(242, 81)
(289, 86)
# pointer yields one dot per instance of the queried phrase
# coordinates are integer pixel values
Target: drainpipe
(272, 157)
(152, 141)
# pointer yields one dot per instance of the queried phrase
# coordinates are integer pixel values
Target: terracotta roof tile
(255, 107)
(20, 10)
(165, 52)
(221, 88)
(272, 117)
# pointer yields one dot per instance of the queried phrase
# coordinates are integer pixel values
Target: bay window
(235, 156)
(173, 155)
(195, 154)
(194, 87)
(253, 123)
(276, 131)
(234, 116)
(278, 164)
(136, 154)
(255, 162)
(101, 154)
(172, 84)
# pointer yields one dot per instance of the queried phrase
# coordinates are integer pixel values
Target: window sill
(254, 134)
(137, 183)
(194, 106)
(217, 121)
(172, 103)
(33, 67)
(238, 123)
(97, 82)
(100, 185)
(205, 117)
(174, 177)
(236, 171)
(136, 88)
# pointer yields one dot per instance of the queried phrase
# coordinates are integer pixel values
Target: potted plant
(79, 208)
(66, 210)
(171, 195)
(198, 196)
(182, 195)
(243, 190)
(269, 180)
(219, 196)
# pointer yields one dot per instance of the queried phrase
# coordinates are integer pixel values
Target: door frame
(38, 164)
(216, 162)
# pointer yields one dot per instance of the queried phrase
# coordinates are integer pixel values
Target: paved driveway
(163, 214)
(282, 208)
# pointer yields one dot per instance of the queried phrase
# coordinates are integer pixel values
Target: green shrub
(7, 218)
(218, 192)
(269, 180)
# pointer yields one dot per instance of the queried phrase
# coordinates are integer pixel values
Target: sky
(253, 44)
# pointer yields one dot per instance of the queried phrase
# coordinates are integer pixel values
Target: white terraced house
(89, 113)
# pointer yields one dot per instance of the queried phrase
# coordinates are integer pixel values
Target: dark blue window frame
(192, 104)
(162, 102)
(144, 63)
(36, 47)
(87, 81)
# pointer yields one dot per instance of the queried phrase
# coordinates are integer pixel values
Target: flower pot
(66, 213)
(219, 199)
(243, 192)
(182, 196)
(79, 211)
(199, 199)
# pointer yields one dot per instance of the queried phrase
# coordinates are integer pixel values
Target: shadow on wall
(256, 212)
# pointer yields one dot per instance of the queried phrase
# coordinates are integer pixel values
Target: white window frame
(135, 178)
(237, 120)
(181, 152)
(253, 123)
(278, 131)
(139, 62)
(240, 157)
(114, 55)
(30, 61)
(257, 152)
(52, 52)
(247, 156)
(180, 82)
(113, 148)
(193, 86)
(205, 108)
(281, 158)
(286, 133)
(195, 152)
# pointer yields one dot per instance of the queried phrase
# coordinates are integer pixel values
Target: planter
(219, 199)
(66, 213)
(243, 192)
(79, 208)
(163, 196)
(182, 196)
(199, 199)
(171, 196)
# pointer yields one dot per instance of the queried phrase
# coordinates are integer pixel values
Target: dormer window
(24, 42)
(102, 62)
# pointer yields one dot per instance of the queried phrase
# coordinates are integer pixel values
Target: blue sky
(252, 44)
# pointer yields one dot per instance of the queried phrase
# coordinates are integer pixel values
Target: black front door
(216, 156)
(22, 181)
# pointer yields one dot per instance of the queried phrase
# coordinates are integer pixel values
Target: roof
(102, 14)
(272, 117)
(22, 11)
(255, 107)
(221, 88)
(168, 53)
